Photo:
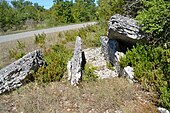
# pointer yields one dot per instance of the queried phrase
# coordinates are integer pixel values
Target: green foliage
(20, 45)
(152, 69)
(15, 16)
(13, 53)
(69, 12)
(90, 35)
(56, 65)
(40, 39)
(110, 66)
(107, 8)
(6, 16)
(155, 19)
(89, 74)
(21, 14)
(18, 52)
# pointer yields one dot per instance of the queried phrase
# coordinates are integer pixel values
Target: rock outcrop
(77, 63)
(12, 76)
(123, 33)
(124, 29)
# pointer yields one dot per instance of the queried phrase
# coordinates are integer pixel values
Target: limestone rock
(163, 110)
(109, 48)
(124, 29)
(77, 63)
(128, 73)
(69, 70)
(118, 56)
(13, 75)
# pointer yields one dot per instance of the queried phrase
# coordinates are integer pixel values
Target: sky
(46, 3)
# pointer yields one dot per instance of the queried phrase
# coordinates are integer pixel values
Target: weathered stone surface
(118, 55)
(128, 73)
(163, 110)
(69, 70)
(77, 63)
(12, 76)
(109, 48)
(95, 58)
(124, 29)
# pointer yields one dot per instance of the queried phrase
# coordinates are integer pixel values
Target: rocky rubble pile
(95, 58)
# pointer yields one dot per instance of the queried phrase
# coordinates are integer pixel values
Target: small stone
(163, 110)
(68, 109)
(128, 73)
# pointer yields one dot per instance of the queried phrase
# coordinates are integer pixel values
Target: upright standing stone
(77, 63)
(109, 48)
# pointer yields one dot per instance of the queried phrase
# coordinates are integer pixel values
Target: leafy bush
(152, 69)
(155, 19)
(89, 74)
(56, 65)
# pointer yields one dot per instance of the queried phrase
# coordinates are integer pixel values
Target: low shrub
(90, 35)
(89, 74)
(40, 39)
(110, 66)
(152, 69)
(56, 65)
(17, 52)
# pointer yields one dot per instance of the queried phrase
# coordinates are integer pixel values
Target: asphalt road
(11, 37)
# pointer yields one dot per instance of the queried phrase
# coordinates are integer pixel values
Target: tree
(61, 11)
(107, 8)
(84, 10)
(6, 14)
(155, 19)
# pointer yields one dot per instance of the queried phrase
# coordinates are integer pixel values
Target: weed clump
(40, 39)
(17, 52)
(89, 74)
